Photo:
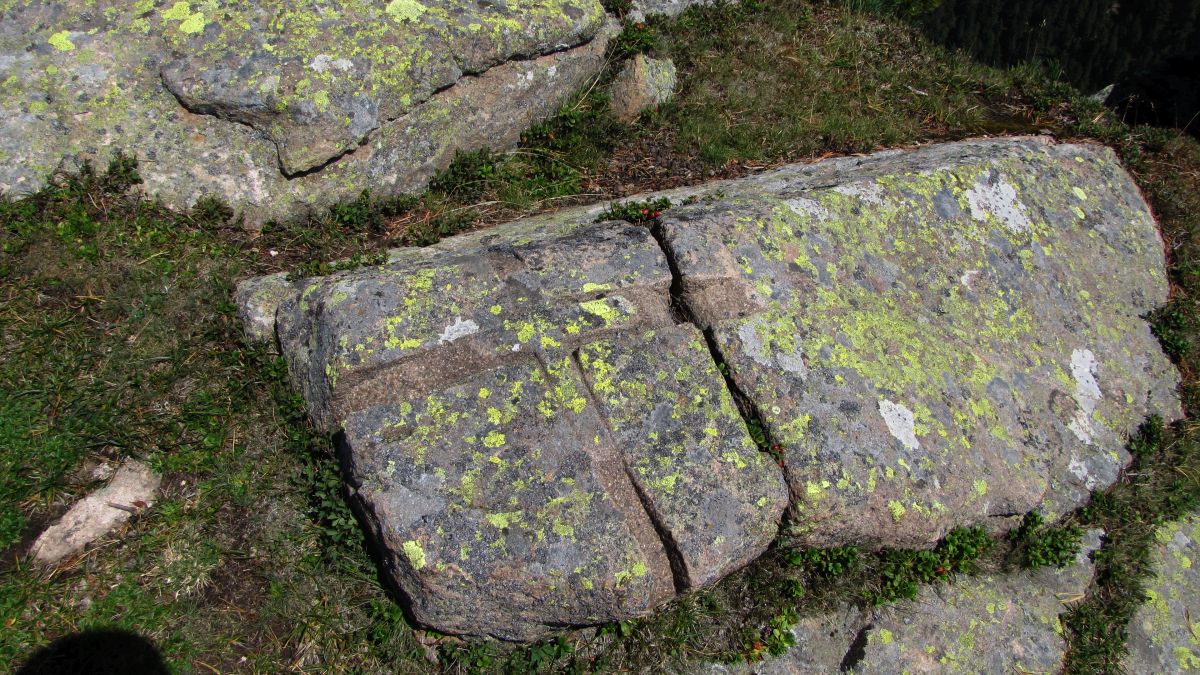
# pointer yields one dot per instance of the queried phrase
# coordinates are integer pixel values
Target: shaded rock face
(1164, 635)
(1003, 623)
(279, 107)
(548, 423)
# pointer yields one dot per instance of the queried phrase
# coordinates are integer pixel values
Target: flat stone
(1003, 623)
(497, 396)
(132, 489)
(1164, 634)
(258, 112)
(939, 337)
(504, 510)
(317, 81)
(644, 8)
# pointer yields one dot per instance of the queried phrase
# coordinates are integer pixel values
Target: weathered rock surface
(1164, 635)
(641, 85)
(532, 437)
(936, 338)
(133, 488)
(278, 107)
(931, 339)
(644, 8)
(1006, 623)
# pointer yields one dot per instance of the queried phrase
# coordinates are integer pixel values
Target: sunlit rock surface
(566, 420)
(1164, 635)
(277, 107)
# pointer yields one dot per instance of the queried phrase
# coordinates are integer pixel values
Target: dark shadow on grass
(96, 652)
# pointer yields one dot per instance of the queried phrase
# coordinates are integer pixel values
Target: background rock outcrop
(554, 422)
(280, 107)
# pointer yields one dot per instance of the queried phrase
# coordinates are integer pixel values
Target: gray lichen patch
(937, 337)
(1164, 635)
(687, 448)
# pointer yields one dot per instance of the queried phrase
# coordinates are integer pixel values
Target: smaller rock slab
(1164, 635)
(641, 85)
(132, 489)
(1007, 623)
(505, 509)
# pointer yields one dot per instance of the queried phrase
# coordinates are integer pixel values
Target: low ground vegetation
(119, 339)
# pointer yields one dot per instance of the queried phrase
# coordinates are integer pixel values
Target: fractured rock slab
(534, 441)
(537, 426)
(939, 337)
(707, 485)
(277, 107)
(1164, 634)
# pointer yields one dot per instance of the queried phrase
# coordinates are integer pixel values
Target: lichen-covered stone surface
(644, 8)
(279, 107)
(553, 422)
(641, 85)
(936, 338)
(991, 623)
(534, 441)
(1164, 635)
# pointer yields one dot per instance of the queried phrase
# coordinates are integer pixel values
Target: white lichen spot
(998, 200)
(968, 277)
(810, 208)
(869, 192)
(323, 62)
(1080, 471)
(458, 329)
(900, 422)
(751, 332)
(1087, 393)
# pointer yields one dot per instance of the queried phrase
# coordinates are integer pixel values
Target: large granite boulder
(1164, 635)
(280, 106)
(550, 422)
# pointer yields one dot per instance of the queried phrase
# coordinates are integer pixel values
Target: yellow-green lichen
(415, 553)
(62, 41)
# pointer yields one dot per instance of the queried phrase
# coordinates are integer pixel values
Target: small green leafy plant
(903, 571)
(638, 213)
(635, 39)
(1038, 545)
(825, 562)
